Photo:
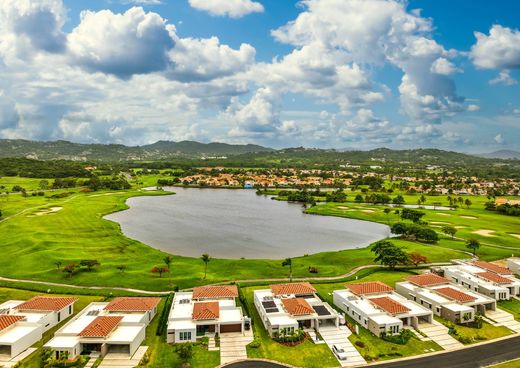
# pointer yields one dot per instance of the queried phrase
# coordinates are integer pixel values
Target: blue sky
(319, 73)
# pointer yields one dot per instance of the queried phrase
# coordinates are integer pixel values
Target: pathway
(500, 317)
(339, 336)
(233, 346)
(438, 333)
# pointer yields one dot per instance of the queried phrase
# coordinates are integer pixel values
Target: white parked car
(340, 352)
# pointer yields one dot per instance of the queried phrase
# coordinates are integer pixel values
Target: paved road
(475, 357)
(254, 364)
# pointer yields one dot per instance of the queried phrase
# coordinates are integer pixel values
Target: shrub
(255, 344)
(360, 344)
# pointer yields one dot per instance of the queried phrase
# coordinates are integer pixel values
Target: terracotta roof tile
(101, 326)
(371, 287)
(493, 277)
(454, 294)
(297, 288)
(297, 306)
(492, 267)
(390, 305)
(6, 320)
(46, 303)
(206, 310)
(132, 304)
(427, 279)
(208, 292)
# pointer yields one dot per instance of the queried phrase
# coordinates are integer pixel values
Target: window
(70, 309)
(59, 316)
(185, 336)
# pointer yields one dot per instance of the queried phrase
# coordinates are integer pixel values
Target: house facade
(292, 306)
(115, 327)
(207, 309)
(376, 307)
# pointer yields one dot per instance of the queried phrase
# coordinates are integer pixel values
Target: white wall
(27, 340)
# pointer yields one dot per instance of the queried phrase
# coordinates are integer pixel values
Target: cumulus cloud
(134, 42)
(499, 139)
(9, 116)
(444, 67)
(505, 78)
(230, 8)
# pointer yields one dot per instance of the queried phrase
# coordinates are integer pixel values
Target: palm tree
(205, 258)
(168, 261)
(288, 262)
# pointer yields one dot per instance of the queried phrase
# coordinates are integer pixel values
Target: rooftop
(132, 304)
(7, 321)
(46, 303)
(454, 294)
(208, 292)
(371, 287)
(492, 267)
(297, 306)
(300, 288)
(390, 305)
(491, 276)
(206, 310)
(427, 279)
(101, 326)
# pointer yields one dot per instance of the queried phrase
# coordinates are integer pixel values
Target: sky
(348, 74)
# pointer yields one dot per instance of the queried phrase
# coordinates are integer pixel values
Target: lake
(228, 223)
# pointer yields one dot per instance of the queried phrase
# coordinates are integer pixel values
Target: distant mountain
(502, 154)
(116, 152)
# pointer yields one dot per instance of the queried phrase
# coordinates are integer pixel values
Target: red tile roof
(492, 267)
(6, 321)
(101, 326)
(454, 294)
(46, 303)
(297, 306)
(132, 304)
(206, 310)
(493, 277)
(389, 305)
(427, 279)
(209, 292)
(297, 288)
(371, 287)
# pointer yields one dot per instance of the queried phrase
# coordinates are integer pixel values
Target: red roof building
(389, 305)
(454, 294)
(206, 310)
(297, 288)
(101, 326)
(297, 306)
(427, 279)
(132, 304)
(46, 303)
(215, 292)
(367, 288)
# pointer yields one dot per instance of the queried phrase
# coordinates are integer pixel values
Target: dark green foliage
(415, 232)
(411, 214)
(388, 254)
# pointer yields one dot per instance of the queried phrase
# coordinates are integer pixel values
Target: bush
(255, 344)
(360, 344)
(402, 339)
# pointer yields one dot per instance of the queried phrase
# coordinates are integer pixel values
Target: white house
(375, 306)
(482, 280)
(450, 301)
(115, 327)
(513, 264)
(22, 323)
(208, 309)
(293, 306)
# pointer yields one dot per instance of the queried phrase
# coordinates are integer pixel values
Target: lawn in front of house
(512, 306)
(487, 332)
(306, 354)
(510, 364)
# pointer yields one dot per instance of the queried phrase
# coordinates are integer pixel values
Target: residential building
(22, 323)
(450, 301)
(378, 308)
(293, 306)
(513, 264)
(208, 309)
(482, 280)
(118, 327)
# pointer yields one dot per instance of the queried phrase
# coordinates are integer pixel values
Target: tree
(388, 254)
(399, 200)
(205, 258)
(160, 270)
(473, 245)
(358, 198)
(168, 261)
(387, 213)
(417, 258)
(70, 268)
(44, 184)
(411, 214)
(449, 230)
(185, 352)
(468, 202)
(89, 263)
(58, 264)
(288, 262)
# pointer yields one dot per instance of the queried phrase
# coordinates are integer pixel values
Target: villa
(22, 323)
(115, 327)
(207, 309)
(513, 264)
(293, 306)
(483, 279)
(378, 308)
(450, 301)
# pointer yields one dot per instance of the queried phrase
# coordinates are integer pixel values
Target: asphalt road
(475, 357)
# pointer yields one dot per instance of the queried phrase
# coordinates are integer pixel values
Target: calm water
(238, 223)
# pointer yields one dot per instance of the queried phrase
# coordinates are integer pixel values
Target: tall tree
(449, 230)
(205, 258)
(473, 245)
(388, 254)
(288, 262)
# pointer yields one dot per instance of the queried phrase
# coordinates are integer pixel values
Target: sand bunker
(368, 211)
(442, 214)
(46, 211)
(99, 195)
(483, 232)
(439, 223)
(469, 217)
(515, 235)
(460, 227)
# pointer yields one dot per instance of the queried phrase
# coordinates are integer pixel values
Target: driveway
(233, 346)
(123, 360)
(339, 336)
(438, 333)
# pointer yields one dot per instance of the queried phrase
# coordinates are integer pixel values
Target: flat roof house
(22, 323)
(513, 264)
(208, 309)
(115, 327)
(450, 301)
(499, 286)
(293, 306)
(375, 306)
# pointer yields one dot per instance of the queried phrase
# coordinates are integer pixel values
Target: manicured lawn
(512, 306)
(511, 364)
(306, 354)
(163, 355)
(487, 332)
(33, 361)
